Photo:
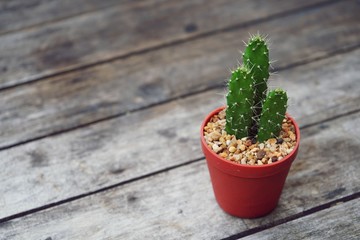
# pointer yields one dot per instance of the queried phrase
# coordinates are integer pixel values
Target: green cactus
(248, 108)
(240, 101)
(272, 115)
(256, 58)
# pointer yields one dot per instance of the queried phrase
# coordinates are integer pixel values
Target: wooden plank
(122, 29)
(180, 204)
(338, 222)
(34, 110)
(140, 143)
(19, 14)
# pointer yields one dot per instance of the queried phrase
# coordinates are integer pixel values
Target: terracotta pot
(243, 190)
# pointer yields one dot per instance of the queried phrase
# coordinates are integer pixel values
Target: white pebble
(261, 146)
(237, 157)
(216, 148)
(215, 135)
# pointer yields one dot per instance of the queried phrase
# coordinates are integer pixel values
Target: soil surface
(247, 150)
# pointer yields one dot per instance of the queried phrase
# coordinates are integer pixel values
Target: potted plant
(251, 143)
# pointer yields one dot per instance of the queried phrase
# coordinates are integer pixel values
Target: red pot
(243, 190)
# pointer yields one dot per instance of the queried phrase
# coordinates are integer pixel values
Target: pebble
(254, 149)
(248, 143)
(223, 154)
(232, 149)
(292, 136)
(237, 157)
(215, 135)
(260, 154)
(216, 148)
(242, 147)
(272, 141)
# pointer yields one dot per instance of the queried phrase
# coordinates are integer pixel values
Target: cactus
(256, 58)
(248, 107)
(240, 101)
(272, 115)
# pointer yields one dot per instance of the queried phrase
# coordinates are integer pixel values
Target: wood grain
(338, 222)
(180, 204)
(103, 154)
(77, 98)
(122, 29)
(19, 14)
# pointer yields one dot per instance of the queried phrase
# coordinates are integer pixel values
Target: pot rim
(240, 167)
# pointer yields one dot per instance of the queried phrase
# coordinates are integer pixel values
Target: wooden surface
(101, 104)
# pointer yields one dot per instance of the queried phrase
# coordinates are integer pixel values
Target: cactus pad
(240, 101)
(272, 115)
(256, 58)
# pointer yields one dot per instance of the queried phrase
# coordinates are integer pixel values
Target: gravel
(245, 150)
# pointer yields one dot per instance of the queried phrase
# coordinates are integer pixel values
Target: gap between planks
(106, 5)
(236, 236)
(182, 96)
(175, 42)
(294, 217)
(64, 201)
(59, 19)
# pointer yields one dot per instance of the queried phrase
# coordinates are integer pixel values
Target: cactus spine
(248, 107)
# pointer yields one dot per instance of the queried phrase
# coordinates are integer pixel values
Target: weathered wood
(80, 97)
(109, 152)
(179, 203)
(20, 14)
(127, 27)
(338, 222)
